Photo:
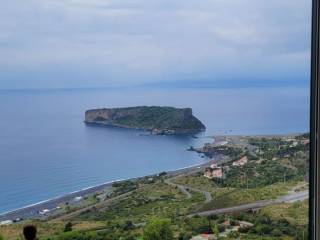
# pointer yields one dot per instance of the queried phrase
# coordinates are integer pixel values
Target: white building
(44, 211)
(6, 222)
(213, 165)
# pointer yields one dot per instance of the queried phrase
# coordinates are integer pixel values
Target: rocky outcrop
(158, 120)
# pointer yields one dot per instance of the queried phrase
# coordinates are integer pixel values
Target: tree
(68, 227)
(158, 229)
(276, 232)
(233, 234)
(184, 236)
(128, 225)
(209, 227)
(216, 230)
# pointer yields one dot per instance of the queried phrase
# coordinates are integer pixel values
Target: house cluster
(228, 229)
(6, 222)
(46, 211)
(204, 236)
(9, 222)
(294, 142)
(235, 228)
(242, 161)
(215, 171)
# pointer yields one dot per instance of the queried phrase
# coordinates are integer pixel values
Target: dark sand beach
(33, 211)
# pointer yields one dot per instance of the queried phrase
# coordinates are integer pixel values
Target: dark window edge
(314, 202)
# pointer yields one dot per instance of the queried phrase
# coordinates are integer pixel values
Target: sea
(46, 150)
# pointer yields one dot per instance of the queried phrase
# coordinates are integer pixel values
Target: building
(213, 165)
(305, 141)
(242, 161)
(217, 173)
(77, 199)
(208, 173)
(226, 223)
(294, 144)
(204, 237)
(213, 172)
(220, 143)
(6, 222)
(245, 224)
(44, 211)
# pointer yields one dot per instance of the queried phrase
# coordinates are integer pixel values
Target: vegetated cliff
(158, 120)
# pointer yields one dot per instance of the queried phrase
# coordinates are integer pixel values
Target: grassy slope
(228, 196)
(155, 200)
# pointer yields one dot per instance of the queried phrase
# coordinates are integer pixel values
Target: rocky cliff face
(159, 120)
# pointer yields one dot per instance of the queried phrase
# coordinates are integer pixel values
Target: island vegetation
(158, 120)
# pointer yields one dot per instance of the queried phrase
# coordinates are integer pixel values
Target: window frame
(314, 169)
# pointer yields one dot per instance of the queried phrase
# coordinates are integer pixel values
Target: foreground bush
(158, 229)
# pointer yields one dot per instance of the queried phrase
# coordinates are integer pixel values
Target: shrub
(184, 236)
(158, 229)
(127, 225)
(276, 232)
(233, 235)
(68, 227)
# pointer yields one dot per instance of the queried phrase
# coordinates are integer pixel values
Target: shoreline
(31, 211)
(151, 131)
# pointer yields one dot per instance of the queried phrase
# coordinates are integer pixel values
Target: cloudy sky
(101, 43)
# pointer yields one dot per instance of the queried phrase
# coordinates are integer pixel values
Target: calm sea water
(46, 150)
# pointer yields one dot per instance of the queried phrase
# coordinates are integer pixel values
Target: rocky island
(157, 120)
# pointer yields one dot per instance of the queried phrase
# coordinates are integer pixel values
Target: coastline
(32, 211)
(147, 130)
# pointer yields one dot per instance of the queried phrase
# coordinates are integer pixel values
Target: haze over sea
(46, 150)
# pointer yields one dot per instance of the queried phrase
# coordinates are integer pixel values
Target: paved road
(296, 196)
(182, 188)
(105, 204)
(293, 197)
(99, 206)
(185, 189)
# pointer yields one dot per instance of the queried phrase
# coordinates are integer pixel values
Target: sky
(110, 43)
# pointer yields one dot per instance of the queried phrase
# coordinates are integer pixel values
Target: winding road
(291, 197)
(186, 190)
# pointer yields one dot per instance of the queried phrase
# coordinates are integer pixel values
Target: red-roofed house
(242, 161)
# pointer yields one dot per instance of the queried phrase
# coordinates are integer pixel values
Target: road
(186, 190)
(99, 206)
(292, 197)
(296, 196)
(182, 188)
(105, 204)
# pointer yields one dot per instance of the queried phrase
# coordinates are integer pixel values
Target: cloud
(137, 41)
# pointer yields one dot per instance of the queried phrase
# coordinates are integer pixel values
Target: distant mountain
(158, 120)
